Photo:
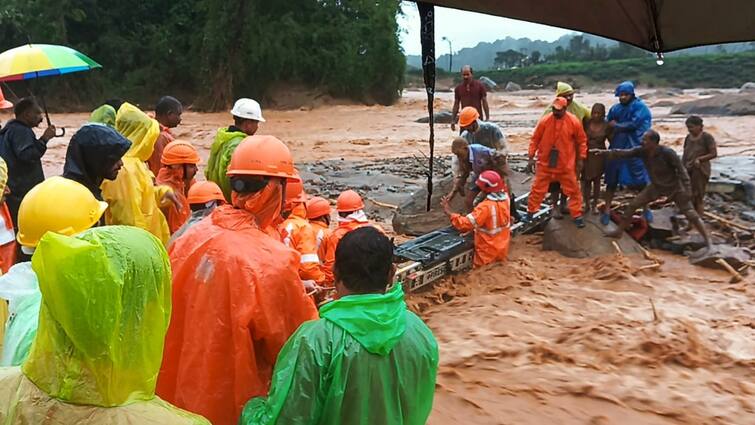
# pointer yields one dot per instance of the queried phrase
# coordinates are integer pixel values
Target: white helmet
(248, 109)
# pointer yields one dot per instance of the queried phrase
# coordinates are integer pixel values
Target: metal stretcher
(429, 257)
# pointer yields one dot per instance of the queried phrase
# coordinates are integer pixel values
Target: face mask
(265, 205)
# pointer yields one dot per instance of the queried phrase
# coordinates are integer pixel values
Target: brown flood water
(546, 339)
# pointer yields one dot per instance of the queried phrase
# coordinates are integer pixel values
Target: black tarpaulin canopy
(654, 25)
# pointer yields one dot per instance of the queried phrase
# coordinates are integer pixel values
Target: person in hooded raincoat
(56, 205)
(297, 233)
(94, 155)
(368, 360)
(105, 115)
(237, 295)
(629, 120)
(350, 207)
(247, 115)
(490, 220)
(97, 353)
(133, 198)
(203, 197)
(180, 160)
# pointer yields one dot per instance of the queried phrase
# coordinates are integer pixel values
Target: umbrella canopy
(42, 60)
(654, 25)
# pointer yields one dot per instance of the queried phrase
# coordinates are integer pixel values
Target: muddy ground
(542, 338)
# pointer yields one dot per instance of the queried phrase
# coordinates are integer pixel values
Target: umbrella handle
(62, 132)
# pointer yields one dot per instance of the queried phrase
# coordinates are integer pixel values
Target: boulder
(489, 84)
(663, 104)
(734, 176)
(735, 256)
(747, 87)
(512, 86)
(710, 92)
(442, 117)
(722, 104)
(412, 217)
(570, 241)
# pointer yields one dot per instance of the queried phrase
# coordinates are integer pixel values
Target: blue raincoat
(632, 121)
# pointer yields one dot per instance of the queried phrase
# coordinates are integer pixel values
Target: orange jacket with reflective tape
(297, 233)
(331, 243)
(565, 134)
(237, 298)
(322, 232)
(490, 221)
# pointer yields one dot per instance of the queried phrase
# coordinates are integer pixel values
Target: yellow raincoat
(105, 311)
(133, 198)
(579, 110)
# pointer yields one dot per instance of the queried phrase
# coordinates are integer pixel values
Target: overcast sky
(466, 29)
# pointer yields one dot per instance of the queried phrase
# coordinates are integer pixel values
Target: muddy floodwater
(542, 339)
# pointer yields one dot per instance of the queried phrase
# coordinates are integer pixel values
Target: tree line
(212, 51)
(579, 50)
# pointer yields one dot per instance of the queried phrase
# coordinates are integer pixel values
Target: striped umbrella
(42, 60)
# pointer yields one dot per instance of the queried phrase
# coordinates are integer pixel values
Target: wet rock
(747, 215)
(489, 84)
(568, 240)
(443, 117)
(734, 176)
(663, 104)
(722, 104)
(413, 219)
(710, 92)
(512, 86)
(735, 256)
(747, 87)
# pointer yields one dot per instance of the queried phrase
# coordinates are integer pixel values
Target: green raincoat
(105, 114)
(367, 361)
(220, 156)
(579, 110)
(106, 302)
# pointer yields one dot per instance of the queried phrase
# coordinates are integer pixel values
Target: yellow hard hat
(57, 205)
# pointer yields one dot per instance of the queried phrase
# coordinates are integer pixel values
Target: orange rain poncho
(133, 198)
(322, 233)
(298, 234)
(180, 154)
(567, 136)
(490, 221)
(237, 297)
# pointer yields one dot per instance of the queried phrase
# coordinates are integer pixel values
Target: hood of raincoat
(91, 153)
(625, 87)
(105, 114)
(222, 149)
(136, 126)
(105, 311)
(563, 88)
(3, 175)
(377, 321)
(265, 205)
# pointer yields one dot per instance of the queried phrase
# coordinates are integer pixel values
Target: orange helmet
(349, 201)
(179, 152)
(262, 156)
(295, 190)
(468, 116)
(4, 104)
(317, 207)
(204, 192)
(490, 181)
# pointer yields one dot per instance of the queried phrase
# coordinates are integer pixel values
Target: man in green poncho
(247, 115)
(368, 360)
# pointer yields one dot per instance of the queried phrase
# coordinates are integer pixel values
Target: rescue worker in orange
(490, 220)
(351, 216)
(7, 234)
(203, 197)
(180, 160)
(237, 295)
(318, 214)
(560, 144)
(299, 235)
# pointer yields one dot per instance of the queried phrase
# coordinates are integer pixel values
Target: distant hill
(481, 56)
